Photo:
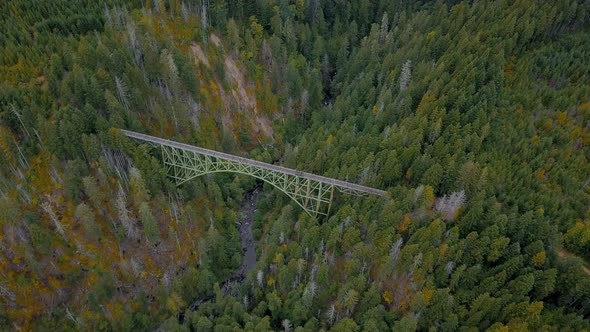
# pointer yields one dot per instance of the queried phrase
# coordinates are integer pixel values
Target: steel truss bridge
(311, 192)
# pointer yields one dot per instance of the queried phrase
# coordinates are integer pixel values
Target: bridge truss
(313, 193)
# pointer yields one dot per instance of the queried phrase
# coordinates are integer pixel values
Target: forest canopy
(474, 116)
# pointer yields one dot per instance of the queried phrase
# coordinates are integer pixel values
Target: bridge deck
(226, 156)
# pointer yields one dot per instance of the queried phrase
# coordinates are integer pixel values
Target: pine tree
(405, 76)
(86, 217)
(150, 225)
(124, 217)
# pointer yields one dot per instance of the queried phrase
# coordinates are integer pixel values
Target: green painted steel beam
(313, 193)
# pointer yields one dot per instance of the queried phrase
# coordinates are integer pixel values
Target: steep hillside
(93, 233)
(474, 116)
